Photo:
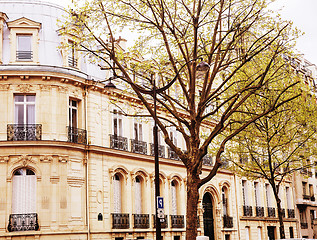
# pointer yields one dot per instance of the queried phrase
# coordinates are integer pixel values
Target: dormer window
(24, 41)
(24, 48)
(72, 54)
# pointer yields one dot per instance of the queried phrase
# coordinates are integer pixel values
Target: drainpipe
(87, 160)
(237, 206)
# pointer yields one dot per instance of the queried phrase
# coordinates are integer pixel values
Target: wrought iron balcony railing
(283, 212)
(163, 224)
(138, 146)
(291, 213)
(24, 132)
(306, 197)
(207, 160)
(271, 212)
(227, 221)
(23, 222)
(172, 154)
(24, 55)
(141, 220)
(177, 221)
(77, 135)
(247, 211)
(72, 62)
(120, 220)
(161, 150)
(259, 211)
(118, 142)
(304, 225)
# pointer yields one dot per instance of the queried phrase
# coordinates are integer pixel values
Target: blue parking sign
(160, 203)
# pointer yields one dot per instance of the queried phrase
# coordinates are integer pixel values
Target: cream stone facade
(72, 166)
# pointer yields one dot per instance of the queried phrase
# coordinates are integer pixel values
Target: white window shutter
(138, 198)
(174, 200)
(116, 196)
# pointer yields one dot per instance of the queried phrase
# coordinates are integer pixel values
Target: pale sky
(302, 12)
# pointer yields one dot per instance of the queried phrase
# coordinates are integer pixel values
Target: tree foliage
(280, 143)
(240, 40)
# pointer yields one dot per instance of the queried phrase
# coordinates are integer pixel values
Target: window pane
(19, 114)
(30, 114)
(30, 98)
(19, 98)
(24, 43)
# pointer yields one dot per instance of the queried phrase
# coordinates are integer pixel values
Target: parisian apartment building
(73, 166)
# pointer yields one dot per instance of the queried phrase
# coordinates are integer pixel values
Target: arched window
(117, 199)
(138, 195)
(224, 199)
(23, 191)
(174, 186)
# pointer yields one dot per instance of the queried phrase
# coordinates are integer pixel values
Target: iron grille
(120, 220)
(227, 221)
(161, 150)
(118, 142)
(259, 211)
(77, 135)
(72, 62)
(291, 213)
(306, 197)
(207, 160)
(304, 225)
(283, 212)
(141, 220)
(172, 154)
(23, 222)
(138, 146)
(24, 132)
(177, 221)
(163, 224)
(247, 211)
(271, 212)
(24, 55)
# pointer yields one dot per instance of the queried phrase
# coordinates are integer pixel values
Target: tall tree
(238, 39)
(279, 143)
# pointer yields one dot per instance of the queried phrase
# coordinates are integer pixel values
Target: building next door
(271, 233)
(208, 216)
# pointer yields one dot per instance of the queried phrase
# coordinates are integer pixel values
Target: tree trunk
(280, 218)
(192, 202)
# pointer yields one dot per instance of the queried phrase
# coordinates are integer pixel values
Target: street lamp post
(202, 66)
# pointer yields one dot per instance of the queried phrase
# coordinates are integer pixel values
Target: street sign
(160, 213)
(160, 203)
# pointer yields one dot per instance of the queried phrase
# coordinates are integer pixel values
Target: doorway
(271, 233)
(208, 216)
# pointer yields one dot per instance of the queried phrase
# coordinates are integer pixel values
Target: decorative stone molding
(75, 181)
(62, 89)
(54, 179)
(63, 159)
(46, 78)
(45, 87)
(4, 159)
(46, 158)
(4, 78)
(4, 87)
(24, 88)
(121, 170)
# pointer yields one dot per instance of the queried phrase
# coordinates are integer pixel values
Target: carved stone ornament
(46, 158)
(24, 88)
(4, 87)
(45, 87)
(63, 159)
(62, 89)
(4, 159)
